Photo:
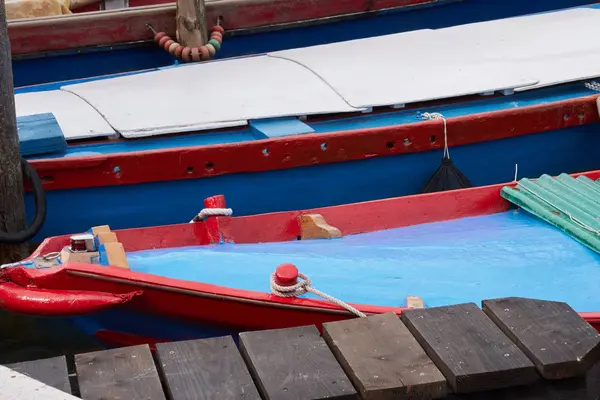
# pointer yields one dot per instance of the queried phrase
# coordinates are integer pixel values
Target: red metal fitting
(286, 275)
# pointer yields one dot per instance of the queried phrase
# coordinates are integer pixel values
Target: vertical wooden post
(12, 206)
(191, 23)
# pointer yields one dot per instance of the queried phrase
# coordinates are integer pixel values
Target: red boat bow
(32, 300)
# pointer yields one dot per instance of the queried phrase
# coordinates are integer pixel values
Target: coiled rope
(39, 196)
(212, 212)
(303, 286)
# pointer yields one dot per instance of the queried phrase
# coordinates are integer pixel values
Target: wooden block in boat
(102, 228)
(383, 359)
(294, 363)
(205, 369)
(414, 302)
(107, 237)
(560, 343)
(90, 257)
(314, 226)
(470, 350)
(124, 373)
(115, 254)
(51, 371)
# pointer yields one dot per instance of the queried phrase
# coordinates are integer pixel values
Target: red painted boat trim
(129, 25)
(243, 309)
(306, 150)
(47, 302)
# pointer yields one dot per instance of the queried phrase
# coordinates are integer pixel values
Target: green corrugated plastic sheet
(570, 204)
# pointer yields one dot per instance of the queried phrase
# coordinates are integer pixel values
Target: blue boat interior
(511, 253)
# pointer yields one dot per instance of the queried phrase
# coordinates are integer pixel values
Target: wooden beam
(12, 205)
(191, 23)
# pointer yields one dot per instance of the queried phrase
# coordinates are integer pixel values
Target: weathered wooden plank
(17, 386)
(205, 369)
(383, 359)
(51, 371)
(560, 343)
(469, 349)
(294, 363)
(124, 373)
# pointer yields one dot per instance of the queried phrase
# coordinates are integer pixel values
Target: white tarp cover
(518, 53)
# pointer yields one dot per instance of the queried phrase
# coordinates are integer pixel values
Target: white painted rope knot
(212, 212)
(303, 286)
(427, 115)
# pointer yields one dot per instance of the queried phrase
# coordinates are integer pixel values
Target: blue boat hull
(162, 203)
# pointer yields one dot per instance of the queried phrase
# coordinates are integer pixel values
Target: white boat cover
(77, 119)
(518, 53)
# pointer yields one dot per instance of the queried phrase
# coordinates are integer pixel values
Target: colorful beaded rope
(187, 54)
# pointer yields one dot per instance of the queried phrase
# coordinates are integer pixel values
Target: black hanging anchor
(447, 176)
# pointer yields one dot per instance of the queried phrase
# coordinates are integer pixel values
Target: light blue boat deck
(470, 259)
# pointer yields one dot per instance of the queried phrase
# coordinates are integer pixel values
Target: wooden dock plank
(294, 363)
(560, 343)
(469, 349)
(205, 369)
(124, 373)
(383, 359)
(17, 386)
(51, 371)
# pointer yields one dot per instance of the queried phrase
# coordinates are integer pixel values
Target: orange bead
(217, 36)
(204, 53)
(196, 54)
(163, 40)
(218, 28)
(186, 54)
(159, 36)
(168, 44)
(178, 51)
(211, 50)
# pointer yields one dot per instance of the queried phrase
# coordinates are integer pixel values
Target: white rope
(516, 172)
(212, 212)
(593, 85)
(427, 115)
(304, 286)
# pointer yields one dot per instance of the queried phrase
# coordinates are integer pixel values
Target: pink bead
(204, 53)
(217, 36)
(196, 54)
(211, 49)
(163, 40)
(218, 28)
(178, 51)
(186, 54)
(159, 36)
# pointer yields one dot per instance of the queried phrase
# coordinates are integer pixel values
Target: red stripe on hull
(292, 152)
(201, 303)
